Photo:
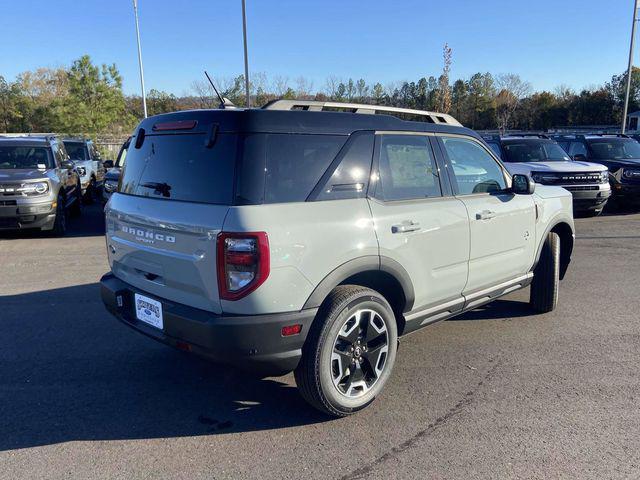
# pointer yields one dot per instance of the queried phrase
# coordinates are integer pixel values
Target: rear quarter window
(279, 168)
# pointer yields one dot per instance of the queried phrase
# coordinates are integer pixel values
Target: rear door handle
(485, 215)
(406, 226)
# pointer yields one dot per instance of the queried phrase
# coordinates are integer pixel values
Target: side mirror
(68, 164)
(579, 157)
(107, 164)
(522, 184)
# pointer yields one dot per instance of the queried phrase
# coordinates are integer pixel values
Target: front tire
(60, 222)
(76, 207)
(546, 276)
(349, 353)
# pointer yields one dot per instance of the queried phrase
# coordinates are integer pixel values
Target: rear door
(418, 222)
(162, 227)
(502, 224)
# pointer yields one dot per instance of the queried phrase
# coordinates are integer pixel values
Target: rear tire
(349, 353)
(546, 276)
(91, 194)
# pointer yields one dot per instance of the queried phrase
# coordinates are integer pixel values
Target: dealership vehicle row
(391, 225)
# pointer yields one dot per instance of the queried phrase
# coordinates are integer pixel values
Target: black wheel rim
(359, 354)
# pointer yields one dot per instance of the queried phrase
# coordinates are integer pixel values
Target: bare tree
(331, 86)
(304, 88)
(511, 89)
(204, 93)
(443, 93)
(280, 85)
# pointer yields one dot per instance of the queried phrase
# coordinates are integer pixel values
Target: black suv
(38, 184)
(618, 152)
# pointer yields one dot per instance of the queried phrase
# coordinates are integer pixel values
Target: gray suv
(38, 184)
(300, 238)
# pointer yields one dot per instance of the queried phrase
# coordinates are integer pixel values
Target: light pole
(144, 96)
(246, 59)
(630, 68)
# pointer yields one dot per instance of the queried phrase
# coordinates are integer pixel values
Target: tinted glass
(474, 170)
(533, 151)
(351, 176)
(77, 150)
(577, 148)
(496, 149)
(615, 148)
(16, 157)
(122, 156)
(278, 168)
(407, 168)
(181, 167)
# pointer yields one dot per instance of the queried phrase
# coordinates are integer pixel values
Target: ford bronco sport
(619, 153)
(38, 184)
(292, 238)
(547, 163)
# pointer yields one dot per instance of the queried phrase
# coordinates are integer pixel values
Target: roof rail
(528, 134)
(46, 136)
(317, 106)
(620, 135)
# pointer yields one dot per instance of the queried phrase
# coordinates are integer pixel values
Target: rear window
(181, 167)
(272, 168)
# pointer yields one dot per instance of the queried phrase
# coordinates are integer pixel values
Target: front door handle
(485, 215)
(404, 227)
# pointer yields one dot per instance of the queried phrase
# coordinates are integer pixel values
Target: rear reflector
(291, 330)
(177, 125)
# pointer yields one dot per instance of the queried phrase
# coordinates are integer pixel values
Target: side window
(496, 149)
(407, 167)
(577, 148)
(95, 154)
(351, 176)
(474, 169)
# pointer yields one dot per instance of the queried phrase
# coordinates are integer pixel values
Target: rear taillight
(243, 263)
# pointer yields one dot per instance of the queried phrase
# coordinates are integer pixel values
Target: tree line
(88, 99)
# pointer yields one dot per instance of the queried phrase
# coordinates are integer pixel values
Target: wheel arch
(567, 239)
(382, 274)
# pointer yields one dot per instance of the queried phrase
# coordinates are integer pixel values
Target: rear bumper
(25, 215)
(252, 342)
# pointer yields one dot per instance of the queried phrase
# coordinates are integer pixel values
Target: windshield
(615, 148)
(76, 150)
(18, 157)
(534, 151)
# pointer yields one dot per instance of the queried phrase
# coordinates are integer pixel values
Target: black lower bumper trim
(251, 342)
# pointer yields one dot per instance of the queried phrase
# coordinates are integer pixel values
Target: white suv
(544, 160)
(292, 238)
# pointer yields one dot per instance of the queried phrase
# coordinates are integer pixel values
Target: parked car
(112, 177)
(542, 158)
(619, 153)
(88, 162)
(38, 184)
(294, 238)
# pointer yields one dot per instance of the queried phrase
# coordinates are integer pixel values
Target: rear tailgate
(166, 248)
(175, 191)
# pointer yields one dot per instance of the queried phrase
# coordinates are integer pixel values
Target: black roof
(293, 121)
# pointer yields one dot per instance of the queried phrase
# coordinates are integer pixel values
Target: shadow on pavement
(69, 371)
(496, 310)
(89, 224)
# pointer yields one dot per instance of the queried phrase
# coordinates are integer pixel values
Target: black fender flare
(567, 258)
(363, 264)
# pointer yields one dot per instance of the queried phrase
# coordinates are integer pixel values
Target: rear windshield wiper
(158, 188)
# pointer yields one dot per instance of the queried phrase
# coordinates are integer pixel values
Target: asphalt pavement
(496, 393)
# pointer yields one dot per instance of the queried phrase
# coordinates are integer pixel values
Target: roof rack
(620, 135)
(317, 106)
(45, 136)
(528, 134)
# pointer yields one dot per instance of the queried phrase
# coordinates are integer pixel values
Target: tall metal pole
(144, 96)
(630, 68)
(246, 59)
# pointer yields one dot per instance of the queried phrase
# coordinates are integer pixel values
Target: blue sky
(580, 43)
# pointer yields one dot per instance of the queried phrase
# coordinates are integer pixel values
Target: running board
(417, 319)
